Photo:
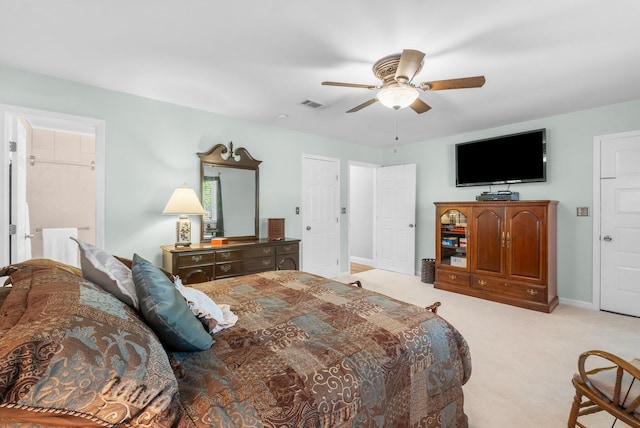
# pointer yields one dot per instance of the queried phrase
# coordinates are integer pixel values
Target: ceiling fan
(398, 90)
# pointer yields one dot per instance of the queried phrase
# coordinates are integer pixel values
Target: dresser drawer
(522, 291)
(287, 249)
(242, 254)
(194, 259)
(455, 278)
(243, 267)
(194, 274)
(287, 261)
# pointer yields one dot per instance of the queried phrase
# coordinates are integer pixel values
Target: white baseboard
(361, 261)
(578, 303)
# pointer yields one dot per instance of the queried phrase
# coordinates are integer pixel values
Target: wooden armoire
(503, 251)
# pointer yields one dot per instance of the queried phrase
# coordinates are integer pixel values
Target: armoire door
(487, 240)
(525, 243)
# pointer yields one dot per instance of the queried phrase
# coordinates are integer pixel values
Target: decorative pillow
(214, 317)
(78, 351)
(166, 311)
(108, 272)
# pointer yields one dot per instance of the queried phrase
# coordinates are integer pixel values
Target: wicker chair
(614, 389)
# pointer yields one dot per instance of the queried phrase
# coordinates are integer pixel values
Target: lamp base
(183, 232)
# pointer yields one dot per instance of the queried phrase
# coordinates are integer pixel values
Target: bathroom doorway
(55, 181)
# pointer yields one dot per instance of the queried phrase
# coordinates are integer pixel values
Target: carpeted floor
(523, 360)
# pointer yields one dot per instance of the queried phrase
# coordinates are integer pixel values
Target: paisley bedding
(306, 352)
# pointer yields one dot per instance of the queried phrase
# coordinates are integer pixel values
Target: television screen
(516, 158)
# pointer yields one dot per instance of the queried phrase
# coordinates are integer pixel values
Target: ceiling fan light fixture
(397, 97)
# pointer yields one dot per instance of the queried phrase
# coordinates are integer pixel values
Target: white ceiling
(260, 59)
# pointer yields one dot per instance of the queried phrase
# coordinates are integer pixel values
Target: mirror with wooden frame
(229, 193)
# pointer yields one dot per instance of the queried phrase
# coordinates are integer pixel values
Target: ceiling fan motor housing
(385, 68)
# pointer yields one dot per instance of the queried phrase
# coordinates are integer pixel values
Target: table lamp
(183, 202)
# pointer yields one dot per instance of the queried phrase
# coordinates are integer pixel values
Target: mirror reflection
(228, 199)
(229, 193)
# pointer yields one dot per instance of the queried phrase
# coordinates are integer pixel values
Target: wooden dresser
(204, 262)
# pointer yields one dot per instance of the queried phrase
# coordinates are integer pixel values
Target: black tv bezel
(541, 179)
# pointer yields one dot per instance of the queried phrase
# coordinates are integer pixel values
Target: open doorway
(60, 174)
(382, 217)
(54, 179)
(362, 233)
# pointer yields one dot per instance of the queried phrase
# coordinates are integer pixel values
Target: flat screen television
(515, 158)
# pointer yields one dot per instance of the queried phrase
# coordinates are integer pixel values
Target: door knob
(411, 225)
(308, 227)
(28, 236)
(607, 238)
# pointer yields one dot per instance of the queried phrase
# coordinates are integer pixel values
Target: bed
(306, 351)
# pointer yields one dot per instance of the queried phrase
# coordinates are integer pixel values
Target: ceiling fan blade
(409, 65)
(363, 105)
(464, 82)
(350, 85)
(420, 106)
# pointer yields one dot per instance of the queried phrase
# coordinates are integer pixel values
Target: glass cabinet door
(453, 238)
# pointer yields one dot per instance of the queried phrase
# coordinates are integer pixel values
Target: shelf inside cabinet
(453, 238)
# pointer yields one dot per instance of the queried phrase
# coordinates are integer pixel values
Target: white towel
(56, 245)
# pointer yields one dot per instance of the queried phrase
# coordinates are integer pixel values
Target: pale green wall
(569, 180)
(151, 149)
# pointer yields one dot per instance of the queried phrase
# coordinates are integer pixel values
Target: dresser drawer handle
(532, 292)
(452, 276)
(266, 262)
(196, 258)
(225, 256)
(287, 247)
(267, 250)
(225, 268)
(482, 282)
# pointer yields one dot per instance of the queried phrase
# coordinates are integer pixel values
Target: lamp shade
(397, 97)
(184, 201)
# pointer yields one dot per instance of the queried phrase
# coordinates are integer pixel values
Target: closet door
(488, 240)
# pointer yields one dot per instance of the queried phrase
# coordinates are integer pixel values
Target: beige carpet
(523, 360)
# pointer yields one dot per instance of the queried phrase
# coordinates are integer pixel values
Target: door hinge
(13, 146)
(13, 229)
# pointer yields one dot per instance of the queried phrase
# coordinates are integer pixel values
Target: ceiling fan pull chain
(395, 148)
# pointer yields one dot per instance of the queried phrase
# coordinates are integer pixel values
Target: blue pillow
(166, 311)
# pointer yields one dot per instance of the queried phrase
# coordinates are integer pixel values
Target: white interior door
(620, 225)
(396, 218)
(321, 216)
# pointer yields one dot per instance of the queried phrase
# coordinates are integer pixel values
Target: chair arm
(621, 366)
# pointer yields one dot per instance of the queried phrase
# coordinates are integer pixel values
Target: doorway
(362, 232)
(67, 149)
(382, 216)
(616, 223)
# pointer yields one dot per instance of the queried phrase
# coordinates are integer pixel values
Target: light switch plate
(582, 211)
